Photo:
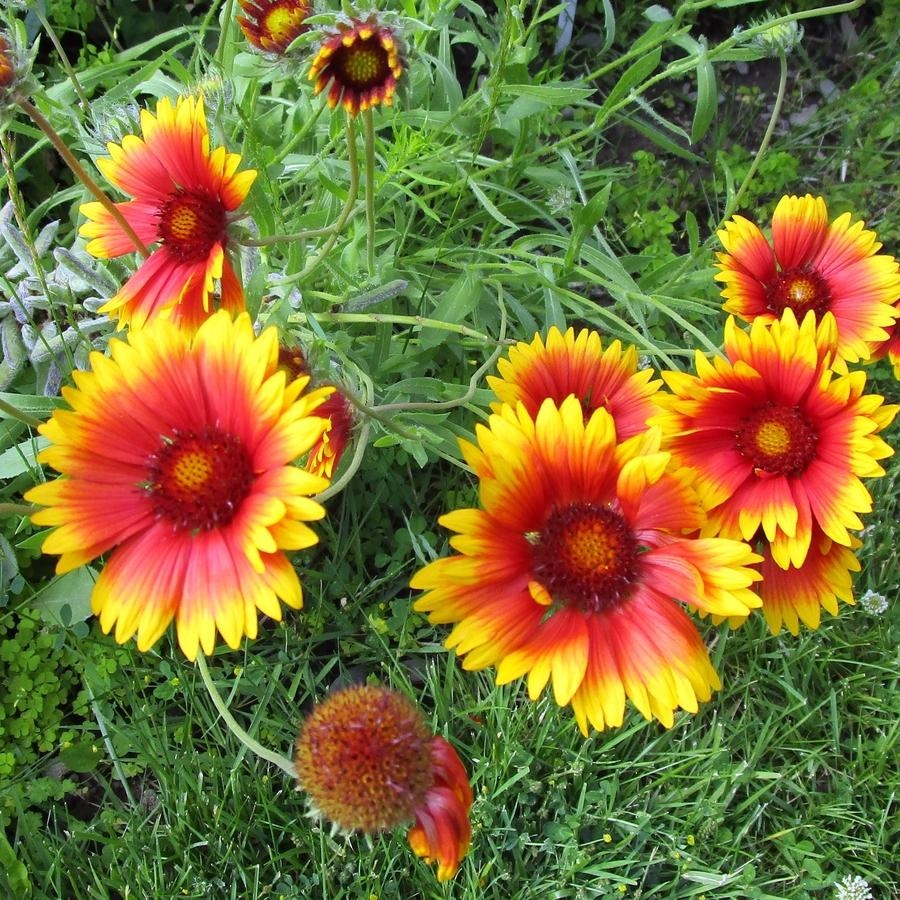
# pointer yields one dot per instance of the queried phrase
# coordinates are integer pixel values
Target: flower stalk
(249, 742)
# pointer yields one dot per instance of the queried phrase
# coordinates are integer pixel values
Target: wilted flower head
(273, 25)
(368, 762)
(778, 38)
(363, 61)
(15, 65)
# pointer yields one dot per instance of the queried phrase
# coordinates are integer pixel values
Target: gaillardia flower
(327, 453)
(272, 25)
(183, 195)
(811, 266)
(579, 365)
(798, 594)
(368, 762)
(776, 439)
(363, 62)
(176, 460)
(571, 567)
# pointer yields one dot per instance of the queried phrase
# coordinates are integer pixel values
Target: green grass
(514, 193)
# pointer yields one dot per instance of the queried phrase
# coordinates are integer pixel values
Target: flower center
(799, 290)
(777, 439)
(364, 757)
(362, 65)
(198, 481)
(189, 225)
(283, 21)
(586, 556)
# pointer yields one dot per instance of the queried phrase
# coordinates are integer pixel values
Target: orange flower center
(282, 22)
(362, 65)
(364, 758)
(190, 224)
(777, 439)
(586, 555)
(198, 481)
(799, 290)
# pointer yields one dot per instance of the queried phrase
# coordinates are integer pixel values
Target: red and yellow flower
(273, 25)
(775, 439)
(183, 195)
(368, 762)
(572, 567)
(363, 62)
(176, 460)
(811, 265)
(327, 453)
(798, 593)
(579, 365)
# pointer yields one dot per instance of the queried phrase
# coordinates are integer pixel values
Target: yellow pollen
(587, 548)
(773, 438)
(801, 291)
(281, 23)
(192, 470)
(183, 222)
(363, 64)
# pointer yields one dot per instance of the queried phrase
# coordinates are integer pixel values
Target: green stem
(67, 66)
(298, 136)
(79, 172)
(14, 413)
(421, 321)
(250, 743)
(272, 239)
(352, 193)
(16, 509)
(369, 119)
(223, 31)
(767, 137)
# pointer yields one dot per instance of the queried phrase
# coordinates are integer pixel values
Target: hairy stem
(250, 743)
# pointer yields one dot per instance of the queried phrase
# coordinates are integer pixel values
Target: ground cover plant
(448, 450)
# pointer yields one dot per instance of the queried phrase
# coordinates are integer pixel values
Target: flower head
(363, 62)
(183, 196)
(571, 567)
(798, 593)
(15, 65)
(368, 762)
(272, 25)
(176, 461)
(579, 365)
(852, 887)
(775, 439)
(873, 603)
(329, 449)
(811, 266)
(778, 37)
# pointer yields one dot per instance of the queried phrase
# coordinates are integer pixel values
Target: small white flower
(852, 887)
(873, 602)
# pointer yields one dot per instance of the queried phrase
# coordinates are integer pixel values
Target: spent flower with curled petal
(367, 762)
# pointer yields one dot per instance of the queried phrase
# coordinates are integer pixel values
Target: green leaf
(38, 406)
(631, 77)
(82, 757)
(489, 207)
(707, 96)
(456, 305)
(21, 458)
(67, 599)
(552, 94)
(16, 874)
